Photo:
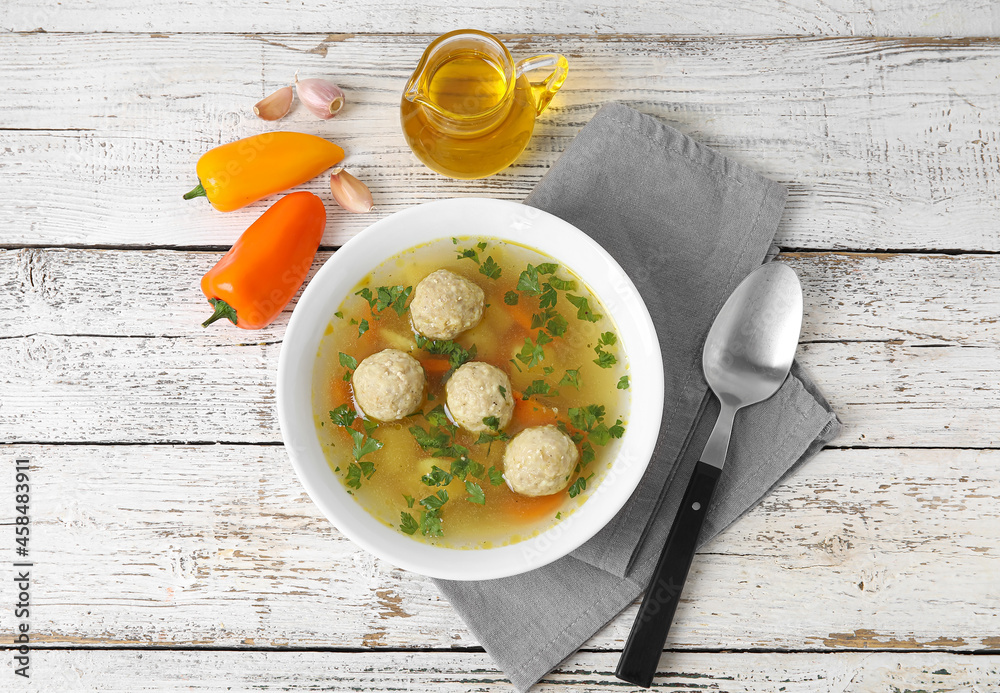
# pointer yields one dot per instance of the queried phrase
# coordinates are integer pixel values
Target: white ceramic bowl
(446, 219)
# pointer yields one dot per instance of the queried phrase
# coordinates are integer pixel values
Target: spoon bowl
(751, 344)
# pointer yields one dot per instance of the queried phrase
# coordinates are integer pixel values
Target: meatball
(539, 461)
(388, 385)
(477, 390)
(445, 305)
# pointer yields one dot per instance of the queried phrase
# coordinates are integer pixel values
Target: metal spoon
(747, 356)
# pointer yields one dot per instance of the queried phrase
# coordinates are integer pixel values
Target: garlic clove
(274, 106)
(349, 192)
(324, 99)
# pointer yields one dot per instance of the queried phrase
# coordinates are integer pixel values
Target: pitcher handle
(543, 91)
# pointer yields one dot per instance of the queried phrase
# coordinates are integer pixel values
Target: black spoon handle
(649, 632)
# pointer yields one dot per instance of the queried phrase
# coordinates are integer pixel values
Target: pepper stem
(198, 191)
(222, 310)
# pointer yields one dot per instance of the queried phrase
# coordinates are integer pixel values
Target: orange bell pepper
(241, 172)
(266, 266)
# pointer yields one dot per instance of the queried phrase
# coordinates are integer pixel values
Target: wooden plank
(219, 546)
(883, 143)
(158, 389)
(834, 17)
(460, 672)
(848, 296)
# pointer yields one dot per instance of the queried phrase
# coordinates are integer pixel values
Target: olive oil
(490, 127)
(468, 109)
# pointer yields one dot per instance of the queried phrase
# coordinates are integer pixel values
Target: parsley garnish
(557, 326)
(623, 382)
(571, 377)
(362, 327)
(490, 268)
(469, 254)
(436, 477)
(604, 359)
(537, 387)
(579, 485)
(407, 524)
(386, 297)
(531, 353)
(496, 476)
(528, 281)
(343, 415)
(562, 284)
(348, 361)
(430, 524)
(511, 298)
(475, 492)
(409, 500)
(435, 500)
(583, 311)
(457, 354)
(363, 445)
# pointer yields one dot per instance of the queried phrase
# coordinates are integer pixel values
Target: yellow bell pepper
(239, 173)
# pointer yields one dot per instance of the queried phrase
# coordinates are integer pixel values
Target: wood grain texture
(913, 299)
(832, 17)
(219, 546)
(448, 672)
(883, 143)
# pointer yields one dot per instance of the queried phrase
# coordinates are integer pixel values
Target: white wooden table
(174, 549)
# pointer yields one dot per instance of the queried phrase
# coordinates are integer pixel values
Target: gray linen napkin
(688, 225)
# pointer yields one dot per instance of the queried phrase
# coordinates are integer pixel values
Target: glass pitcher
(469, 109)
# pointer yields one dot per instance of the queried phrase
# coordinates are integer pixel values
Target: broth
(564, 362)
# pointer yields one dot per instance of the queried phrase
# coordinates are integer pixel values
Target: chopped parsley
(430, 523)
(562, 284)
(409, 500)
(623, 383)
(583, 310)
(557, 325)
(363, 445)
(538, 387)
(528, 281)
(475, 492)
(435, 500)
(463, 467)
(496, 476)
(457, 354)
(386, 297)
(571, 377)
(579, 485)
(469, 254)
(436, 477)
(348, 361)
(407, 524)
(490, 268)
(532, 353)
(343, 415)
(362, 327)
(604, 359)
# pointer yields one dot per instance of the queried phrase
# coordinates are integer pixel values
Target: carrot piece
(534, 508)
(521, 315)
(532, 413)
(435, 365)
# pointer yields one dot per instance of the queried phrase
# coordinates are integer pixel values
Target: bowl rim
(416, 226)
